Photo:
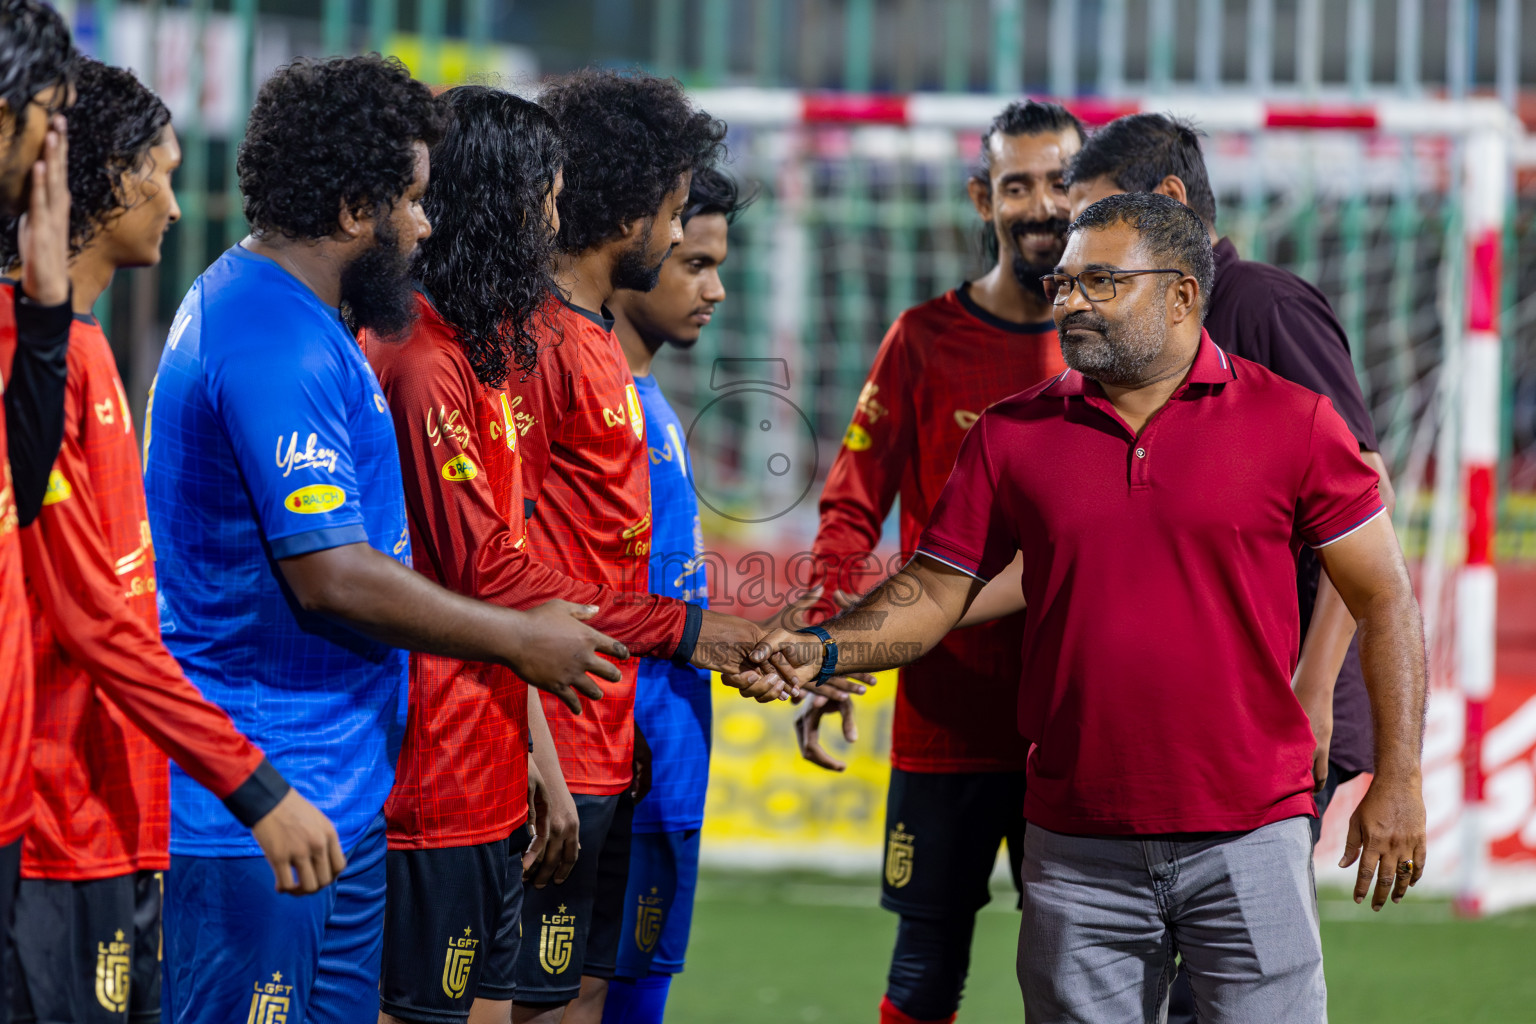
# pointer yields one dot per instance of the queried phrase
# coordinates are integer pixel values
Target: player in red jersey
(35, 49)
(632, 143)
(957, 780)
(109, 696)
(459, 816)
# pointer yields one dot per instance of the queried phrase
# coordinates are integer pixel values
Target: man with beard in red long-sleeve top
(957, 778)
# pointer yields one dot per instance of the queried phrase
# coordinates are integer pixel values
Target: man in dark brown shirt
(1282, 322)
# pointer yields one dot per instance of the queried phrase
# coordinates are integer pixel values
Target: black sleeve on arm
(34, 400)
(262, 790)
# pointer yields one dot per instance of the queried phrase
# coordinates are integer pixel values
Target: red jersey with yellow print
(15, 627)
(940, 365)
(462, 777)
(111, 701)
(587, 476)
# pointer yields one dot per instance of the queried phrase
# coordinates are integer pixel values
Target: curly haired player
(632, 144)
(459, 816)
(672, 702)
(110, 698)
(277, 506)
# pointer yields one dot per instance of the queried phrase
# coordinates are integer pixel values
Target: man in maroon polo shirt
(1158, 491)
(1285, 324)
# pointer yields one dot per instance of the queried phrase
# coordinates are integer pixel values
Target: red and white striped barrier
(960, 111)
(1486, 173)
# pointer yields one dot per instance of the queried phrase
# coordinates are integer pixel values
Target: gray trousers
(1104, 917)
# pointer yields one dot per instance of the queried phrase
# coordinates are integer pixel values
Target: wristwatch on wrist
(829, 653)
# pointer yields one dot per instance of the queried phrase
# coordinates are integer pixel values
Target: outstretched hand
(723, 645)
(777, 667)
(560, 650)
(816, 707)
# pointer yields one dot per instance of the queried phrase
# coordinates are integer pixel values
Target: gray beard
(1119, 356)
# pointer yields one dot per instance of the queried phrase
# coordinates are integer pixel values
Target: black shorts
(452, 928)
(573, 928)
(942, 833)
(10, 880)
(88, 951)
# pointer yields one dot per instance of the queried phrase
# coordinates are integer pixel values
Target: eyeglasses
(1097, 285)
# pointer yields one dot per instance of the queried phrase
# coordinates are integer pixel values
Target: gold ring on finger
(1405, 868)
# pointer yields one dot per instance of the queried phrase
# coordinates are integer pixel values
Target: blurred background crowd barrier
(1379, 148)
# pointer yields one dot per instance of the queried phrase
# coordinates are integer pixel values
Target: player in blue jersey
(672, 703)
(278, 515)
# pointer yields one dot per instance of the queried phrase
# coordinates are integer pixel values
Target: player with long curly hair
(632, 143)
(489, 260)
(279, 515)
(672, 702)
(459, 821)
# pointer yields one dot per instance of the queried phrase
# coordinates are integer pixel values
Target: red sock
(889, 1014)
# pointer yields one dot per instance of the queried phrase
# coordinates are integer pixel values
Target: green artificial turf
(794, 946)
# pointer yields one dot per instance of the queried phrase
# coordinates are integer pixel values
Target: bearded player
(276, 502)
(672, 702)
(110, 698)
(35, 51)
(459, 817)
(957, 776)
(632, 144)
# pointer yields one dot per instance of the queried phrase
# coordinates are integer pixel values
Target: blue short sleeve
(284, 404)
(268, 437)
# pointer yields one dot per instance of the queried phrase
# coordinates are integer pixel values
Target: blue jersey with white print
(267, 437)
(672, 703)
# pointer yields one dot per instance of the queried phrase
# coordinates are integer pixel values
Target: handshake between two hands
(768, 660)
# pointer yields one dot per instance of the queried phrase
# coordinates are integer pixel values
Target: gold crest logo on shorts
(555, 940)
(270, 1001)
(457, 964)
(898, 857)
(648, 921)
(113, 973)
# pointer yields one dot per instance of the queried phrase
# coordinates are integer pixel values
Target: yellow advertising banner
(767, 805)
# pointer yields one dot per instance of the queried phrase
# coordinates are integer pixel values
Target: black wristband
(254, 798)
(692, 624)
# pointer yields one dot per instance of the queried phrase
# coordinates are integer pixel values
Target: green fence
(854, 225)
